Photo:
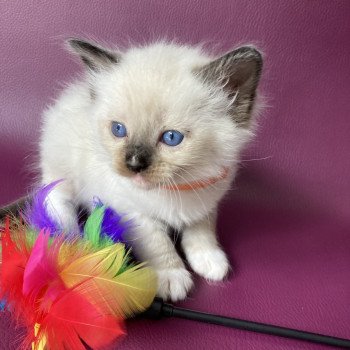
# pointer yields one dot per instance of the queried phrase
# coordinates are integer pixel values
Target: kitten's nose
(138, 158)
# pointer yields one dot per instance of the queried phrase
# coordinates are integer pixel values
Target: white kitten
(154, 132)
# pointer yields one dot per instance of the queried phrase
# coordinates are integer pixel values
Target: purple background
(286, 224)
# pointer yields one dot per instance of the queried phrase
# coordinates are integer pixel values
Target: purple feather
(113, 226)
(36, 213)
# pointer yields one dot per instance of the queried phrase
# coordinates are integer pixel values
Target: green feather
(92, 229)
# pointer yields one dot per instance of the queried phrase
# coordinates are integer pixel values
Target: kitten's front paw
(174, 283)
(211, 263)
(62, 212)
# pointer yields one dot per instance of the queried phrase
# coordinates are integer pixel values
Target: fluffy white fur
(151, 89)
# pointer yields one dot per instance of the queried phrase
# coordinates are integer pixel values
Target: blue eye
(172, 137)
(118, 129)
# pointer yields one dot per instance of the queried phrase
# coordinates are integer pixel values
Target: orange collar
(190, 186)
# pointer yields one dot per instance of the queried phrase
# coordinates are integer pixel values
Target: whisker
(255, 159)
(213, 186)
(180, 201)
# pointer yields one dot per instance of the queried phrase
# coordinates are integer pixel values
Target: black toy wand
(160, 309)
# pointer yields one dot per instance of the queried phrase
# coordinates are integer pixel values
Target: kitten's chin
(141, 182)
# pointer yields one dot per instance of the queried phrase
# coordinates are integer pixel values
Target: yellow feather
(39, 344)
(103, 280)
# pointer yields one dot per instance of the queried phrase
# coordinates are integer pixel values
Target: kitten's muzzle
(138, 158)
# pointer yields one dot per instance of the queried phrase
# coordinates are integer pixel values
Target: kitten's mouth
(141, 182)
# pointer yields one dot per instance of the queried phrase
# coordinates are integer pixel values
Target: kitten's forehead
(160, 56)
(155, 83)
(151, 99)
(161, 75)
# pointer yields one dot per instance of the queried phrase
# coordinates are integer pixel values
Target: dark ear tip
(76, 43)
(93, 55)
(73, 43)
(249, 52)
(71, 40)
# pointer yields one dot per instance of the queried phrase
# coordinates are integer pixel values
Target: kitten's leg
(151, 243)
(61, 207)
(202, 250)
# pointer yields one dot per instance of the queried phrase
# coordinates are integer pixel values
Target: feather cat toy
(71, 290)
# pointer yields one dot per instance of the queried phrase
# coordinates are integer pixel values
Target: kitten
(154, 132)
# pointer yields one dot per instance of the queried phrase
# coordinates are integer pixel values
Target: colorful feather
(15, 254)
(92, 228)
(113, 225)
(105, 226)
(99, 277)
(2, 304)
(37, 215)
(73, 321)
(41, 275)
(71, 290)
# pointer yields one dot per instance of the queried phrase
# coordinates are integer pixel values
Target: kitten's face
(159, 121)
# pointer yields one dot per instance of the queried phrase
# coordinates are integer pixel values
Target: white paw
(62, 212)
(210, 263)
(174, 283)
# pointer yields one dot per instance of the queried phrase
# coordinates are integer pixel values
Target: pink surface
(286, 223)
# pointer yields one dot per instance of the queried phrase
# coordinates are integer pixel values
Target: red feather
(72, 319)
(41, 279)
(15, 255)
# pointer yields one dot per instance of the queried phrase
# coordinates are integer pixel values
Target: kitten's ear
(95, 57)
(238, 72)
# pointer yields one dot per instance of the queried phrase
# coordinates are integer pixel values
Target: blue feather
(2, 305)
